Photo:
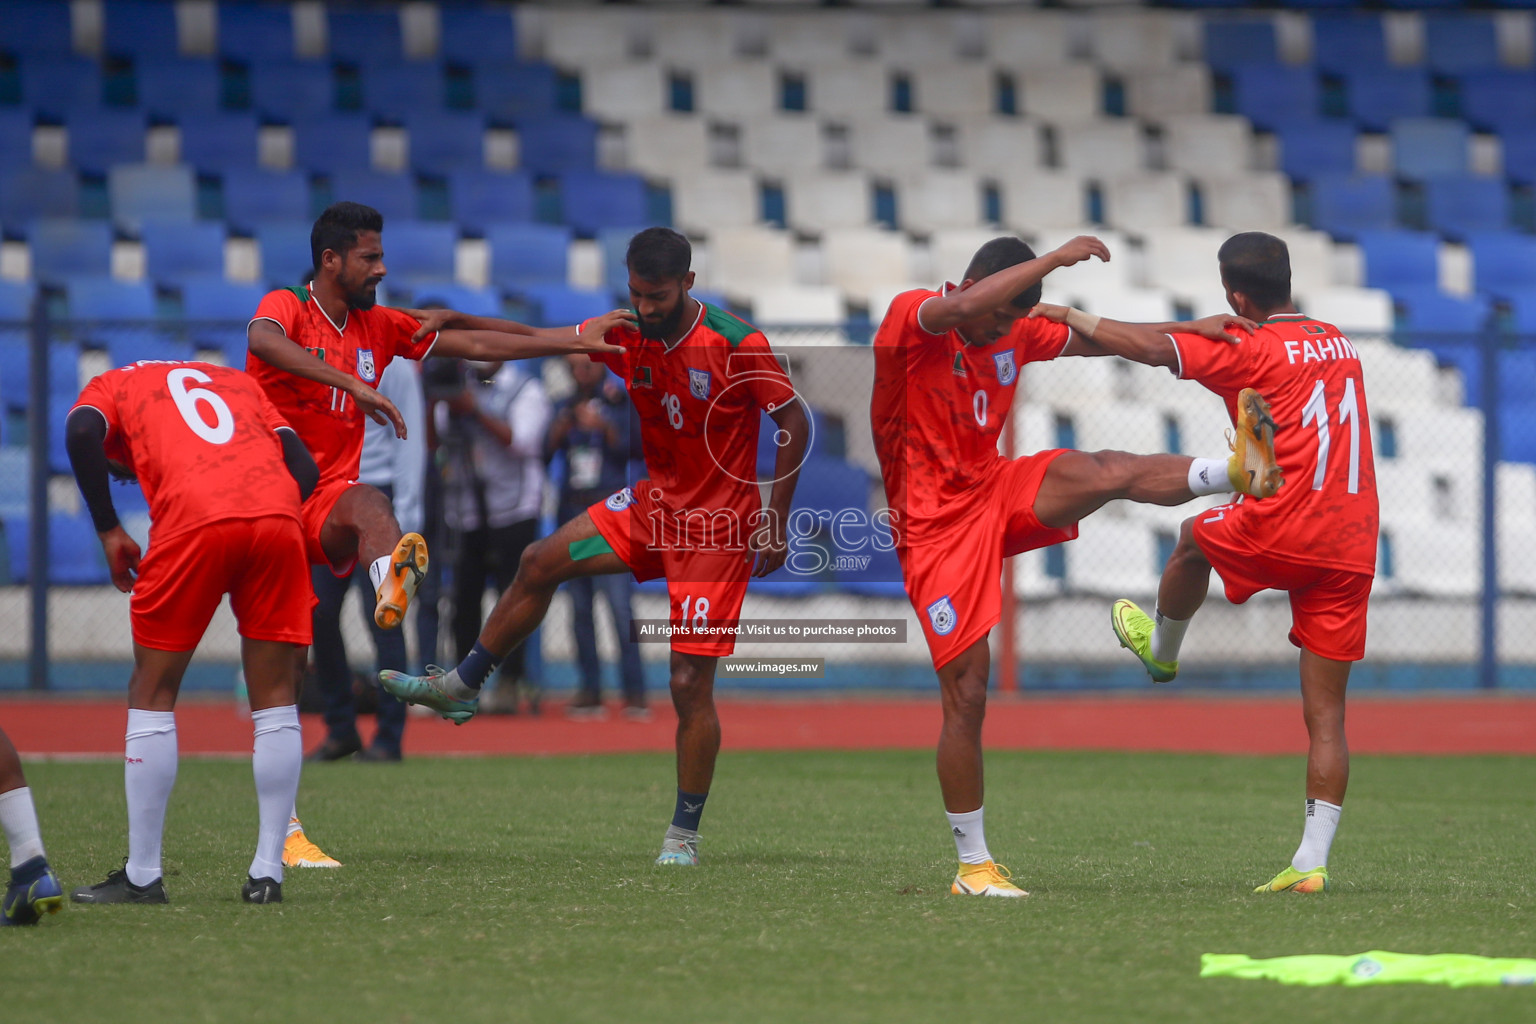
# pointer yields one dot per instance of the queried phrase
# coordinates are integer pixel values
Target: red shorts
(1327, 605)
(954, 578)
(704, 588)
(315, 512)
(259, 563)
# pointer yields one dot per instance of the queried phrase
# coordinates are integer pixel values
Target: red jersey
(200, 438)
(326, 419)
(698, 403)
(1326, 514)
(939, 406)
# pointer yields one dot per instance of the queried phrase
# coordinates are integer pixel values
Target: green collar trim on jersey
(1287, 316)
(302, 292)
(730, 327)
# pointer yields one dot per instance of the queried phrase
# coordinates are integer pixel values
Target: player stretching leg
(1317, 543)
(224, 475)
(697, 376)
(946, 364)
(34, 889)
(318, 353)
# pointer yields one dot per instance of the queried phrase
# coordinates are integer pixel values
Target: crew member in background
(594, 430)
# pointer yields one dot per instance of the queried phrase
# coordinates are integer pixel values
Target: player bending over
(318, 352)
(34, 889)
(224, 475)
(946, 364)
(1316, 540)
(697, 376)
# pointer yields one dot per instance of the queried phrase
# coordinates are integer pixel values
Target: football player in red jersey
(318, 353)
(224, 475)
(698, 377)
(1316, 540)
(946, 364)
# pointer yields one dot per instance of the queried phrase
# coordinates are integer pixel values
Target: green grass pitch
(523, 890)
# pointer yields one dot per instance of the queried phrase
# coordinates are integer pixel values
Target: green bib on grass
(1377, 967)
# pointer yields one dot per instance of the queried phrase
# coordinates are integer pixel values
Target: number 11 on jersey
(1316, 412)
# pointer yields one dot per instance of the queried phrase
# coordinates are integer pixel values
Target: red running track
(1471, 724)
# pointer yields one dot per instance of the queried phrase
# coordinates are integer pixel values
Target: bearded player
(224, 474)
(698, 377)
(318, 353)
(946, 363)
(1316, 540)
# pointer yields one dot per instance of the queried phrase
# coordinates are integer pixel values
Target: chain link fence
(1453, 420)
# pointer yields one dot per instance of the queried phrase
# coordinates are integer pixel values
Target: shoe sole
(48, 904)
(1305, 885)
(1256, 430)
(1120, 634)
(395, 596)
(959, 888)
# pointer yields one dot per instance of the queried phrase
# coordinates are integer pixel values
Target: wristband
(1081, 322)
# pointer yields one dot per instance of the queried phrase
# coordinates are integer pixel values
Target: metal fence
(1454, 423)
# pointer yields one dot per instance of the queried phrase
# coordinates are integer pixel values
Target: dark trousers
(617, 587)
(487, 555)
(331, 667)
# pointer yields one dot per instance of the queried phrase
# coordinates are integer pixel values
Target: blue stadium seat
(1520, 152)
(212, 143)
(1231, 44)
(473, 301)
(175, 250)
(74, 552)
(130, 345)
(98, 139)
(61, 248)
(446, 140)
(1429, 147)
(366, 37)
(560, 304)
(173, 89)
(1402, 262)
(556, 143)
(1460, 42)
(1378, 96)
(285, 257)
(256, 33)
(528, 254)
(1517, 433)
(1344, 206)
(397, 92)
(831, 485)
(1522, 309)
(60, 87)
(253, 195)
(417, 252)
(40, 27)
(16, 302)
(880, 578)
(105, 298)
(614, 245)
(1458, 354)
(29, 192)
(141, 192)
(393, 195)
(1346, 43)
(1517, 377)
(15, 481)
(592, 200)
(327, 143)
(1496, 99)
(1268, 94)
(1309, 148)
(1502, 262)
(506, 91)
(213, 298)
(472, 34)
(1429, 312)
(15, 139)
(477, 198)
(143, 30)
(1459, 205)
(292, 89)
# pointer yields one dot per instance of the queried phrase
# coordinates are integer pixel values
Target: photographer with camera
(490, 420)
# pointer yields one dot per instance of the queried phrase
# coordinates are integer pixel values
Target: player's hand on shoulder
(591, 338)
(1081, 248)
(123, 556)
(1050, 311)
(1228, 327)
(432, 321)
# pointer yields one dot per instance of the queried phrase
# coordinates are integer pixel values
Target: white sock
(149, 774)
(1167, 637)
(276, 759)
(18, 819)
(970, 836)
(1209, 476)
(1317, 837)
(294, 824)
(380, 569)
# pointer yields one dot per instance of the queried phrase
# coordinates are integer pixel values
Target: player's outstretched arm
(488, 346)
(1141, 343)
(991, 293)
(436, 320)
(767, 537)
(301, 464)
(269, 344)
(85, 437)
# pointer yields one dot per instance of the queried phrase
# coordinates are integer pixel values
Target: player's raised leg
(1180, 593)
(34, 889)
(575, 549)
(362, 526)
(698, 744)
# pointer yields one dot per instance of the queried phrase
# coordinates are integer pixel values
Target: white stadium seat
(1103, 148)
(810, 36)
(950, 251)
(1133, 39)
(937, 199)
(848, 88)
(1435, 559)
(1035, 200)
(861, 261)
(1169, 92)
(666, 145)
(1350, 309)
(1214, 145)
(681, 37)
(1066, 94)
(1089, 276)
(1311, 258)
(879, 297)
(1024, 40)
(999, 146)
(891, 145)
(1183, 260)
(1134, 305)
(619, 91)
(1113, 558)
(735, 89)
(1252, 201)
(954, 89)
(741, 259)
(819, 200)
(1397, 380)
(782, 144)
(937, 37)
(1126, 427)
(578, 36)
(711, 199)
(1146, 203)
(798, 305)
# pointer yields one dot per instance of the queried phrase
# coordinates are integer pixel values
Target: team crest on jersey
(942, 615)
(642, 377)
(698, 383)
(365, 368)
(960, 370)
(618, 501)
(1006, 370)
